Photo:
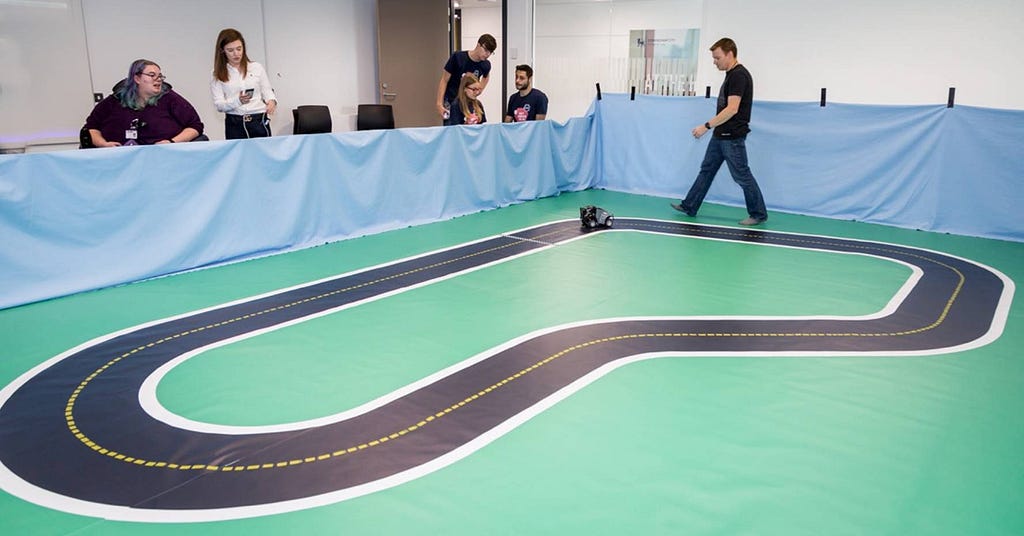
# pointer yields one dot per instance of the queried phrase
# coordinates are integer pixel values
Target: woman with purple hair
(144, 110)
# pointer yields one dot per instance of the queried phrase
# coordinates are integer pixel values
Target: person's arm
(732, 107)
(99, 141)
(441, 87)
(267, 91)
(97, 119)
(186, 116)
(542, 107)
(456, 116)
(485, 76)
(508, 110)
(223, 102)
(187, 134)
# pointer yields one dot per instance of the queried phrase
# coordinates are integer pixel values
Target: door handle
(391, 95)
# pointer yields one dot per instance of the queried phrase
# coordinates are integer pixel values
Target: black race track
(76, 429)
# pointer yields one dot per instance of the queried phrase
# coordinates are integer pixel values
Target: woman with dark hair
(143, 111)
(241, 89)
(468, 109)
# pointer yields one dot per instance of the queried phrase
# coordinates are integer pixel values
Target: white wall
(869, 52)
(580, 43)
(54, 53)
(476, 21)
(519, 37)
(44, 73)
(876, 51)
(322, 52)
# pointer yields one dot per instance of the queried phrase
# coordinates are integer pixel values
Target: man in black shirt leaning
(458, 65)
(527, 104)
(728, 144)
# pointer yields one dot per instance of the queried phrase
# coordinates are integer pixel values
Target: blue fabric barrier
(956, 170)
(81, 220)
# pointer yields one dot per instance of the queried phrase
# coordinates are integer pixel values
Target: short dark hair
(487, 41)
(727, 45)
(526, 69)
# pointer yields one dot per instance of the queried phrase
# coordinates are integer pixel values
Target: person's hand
(271, 107)
(698, 131)
(106, 143)
(161, 142)
(244, 98)
(441, 110)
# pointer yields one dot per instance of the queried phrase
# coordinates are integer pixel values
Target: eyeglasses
(155, 76)
(475, 89)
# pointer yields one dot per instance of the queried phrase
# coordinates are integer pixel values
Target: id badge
(131, 134)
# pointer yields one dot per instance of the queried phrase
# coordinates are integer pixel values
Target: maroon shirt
(161, 121)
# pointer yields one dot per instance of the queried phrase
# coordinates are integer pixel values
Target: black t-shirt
(738, 82)
(526, 108)
(459, 64)
(457, 117)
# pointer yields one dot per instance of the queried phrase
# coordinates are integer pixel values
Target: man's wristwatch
(707, 125)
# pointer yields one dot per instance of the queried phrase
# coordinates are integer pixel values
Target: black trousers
(240, 127)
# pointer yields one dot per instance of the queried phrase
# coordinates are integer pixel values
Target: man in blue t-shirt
(462, 62)
(527, 104)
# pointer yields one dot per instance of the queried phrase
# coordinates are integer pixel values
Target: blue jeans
(734, 153)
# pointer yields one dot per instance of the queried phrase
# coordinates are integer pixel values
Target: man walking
(728, 144)
(527, 104)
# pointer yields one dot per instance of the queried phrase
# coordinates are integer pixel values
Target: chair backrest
(85, 139)
(311, 119)
(375, 117)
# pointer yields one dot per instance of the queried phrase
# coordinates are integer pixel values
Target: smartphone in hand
(249, 92)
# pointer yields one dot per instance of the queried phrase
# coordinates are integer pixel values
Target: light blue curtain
(80, 220)
(958, 170)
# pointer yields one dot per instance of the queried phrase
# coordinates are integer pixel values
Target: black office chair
(311, 119)
(375, 117)
(85, 139)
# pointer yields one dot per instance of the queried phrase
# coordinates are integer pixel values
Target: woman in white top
(241, 89)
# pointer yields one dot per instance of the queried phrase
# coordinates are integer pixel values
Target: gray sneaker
(752, 221)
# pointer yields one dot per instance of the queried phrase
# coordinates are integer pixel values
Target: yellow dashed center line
(73, 428)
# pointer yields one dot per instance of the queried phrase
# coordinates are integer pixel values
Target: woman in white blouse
(241, 89)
